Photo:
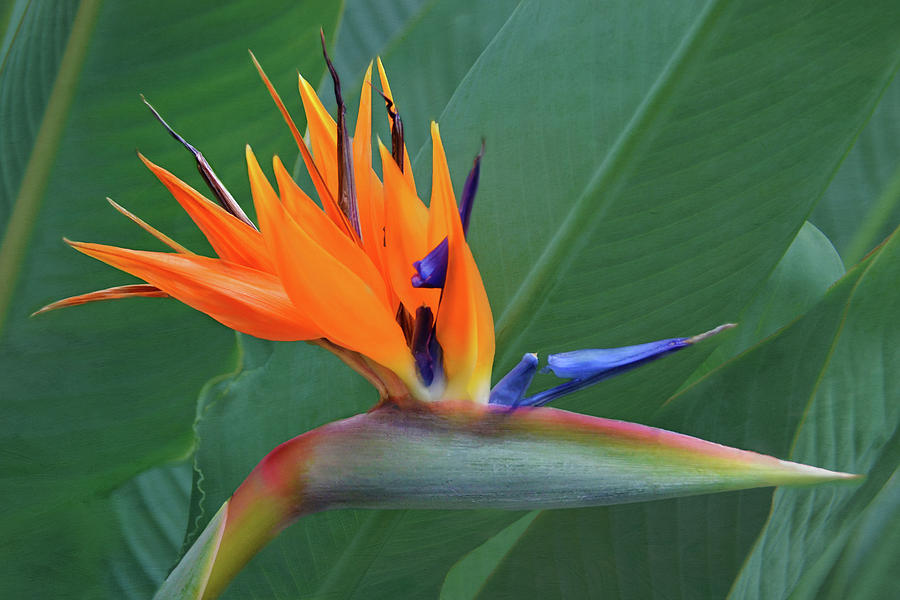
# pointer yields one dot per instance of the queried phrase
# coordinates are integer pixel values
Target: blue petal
(467, 200)
(425, 348)
(587, 367)
(581, 364)
(431, 271)
(510, 390)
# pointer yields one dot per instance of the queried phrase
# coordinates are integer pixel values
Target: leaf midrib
(43, 154)
(593, 203)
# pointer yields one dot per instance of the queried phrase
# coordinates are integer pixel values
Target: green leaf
(862, 204)
(469, 574)
(869, 560)
(852, 422)
(188, 580)
(93, 395)
(33, 44)
(800, 279)
(425, 59)
(151, 511)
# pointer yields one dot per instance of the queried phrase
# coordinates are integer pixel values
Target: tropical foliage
(652, 169)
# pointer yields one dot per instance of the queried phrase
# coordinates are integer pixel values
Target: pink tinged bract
(447, 455)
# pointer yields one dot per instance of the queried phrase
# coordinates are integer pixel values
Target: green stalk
(451, 455)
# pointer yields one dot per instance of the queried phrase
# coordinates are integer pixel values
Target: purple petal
(510, 390)
(425, 348)
(468, 194)
(582, 364)
(587, 367)
(431, 271)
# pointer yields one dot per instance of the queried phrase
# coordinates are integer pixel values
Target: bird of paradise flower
(391, 287)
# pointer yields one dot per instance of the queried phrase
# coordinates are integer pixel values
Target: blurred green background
(652, 169)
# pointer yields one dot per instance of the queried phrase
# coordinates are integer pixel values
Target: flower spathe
(338, 273)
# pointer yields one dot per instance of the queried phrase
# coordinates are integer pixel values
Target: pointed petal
(322, 134)
(465, 325)
(232, 239)
(368, 188)
(362, 135)
(405, 222)
(244, 299)
(318, 181)
(386, 90)
(325, 233)
(150, 229)
(443, 200)
(323, 138)
(346, 309)
(113, 293)
(470, 188)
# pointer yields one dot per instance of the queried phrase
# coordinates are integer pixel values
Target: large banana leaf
(648, 167)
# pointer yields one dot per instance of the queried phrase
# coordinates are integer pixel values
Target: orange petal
(405, 225)
(150, 229)
(244, 299)
(320, 228)
(386, 90)
(323, 138)
(368, 197)
(232, 239)
(113, 293)
(321, 187)
(465, 327)
(480, 385)
(347, 311)
(443, 201)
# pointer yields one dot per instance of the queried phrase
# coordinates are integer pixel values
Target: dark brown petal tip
(212, 181)
(346, 184)
(397, 145)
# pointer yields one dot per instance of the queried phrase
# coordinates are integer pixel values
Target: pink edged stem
(454, 455)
